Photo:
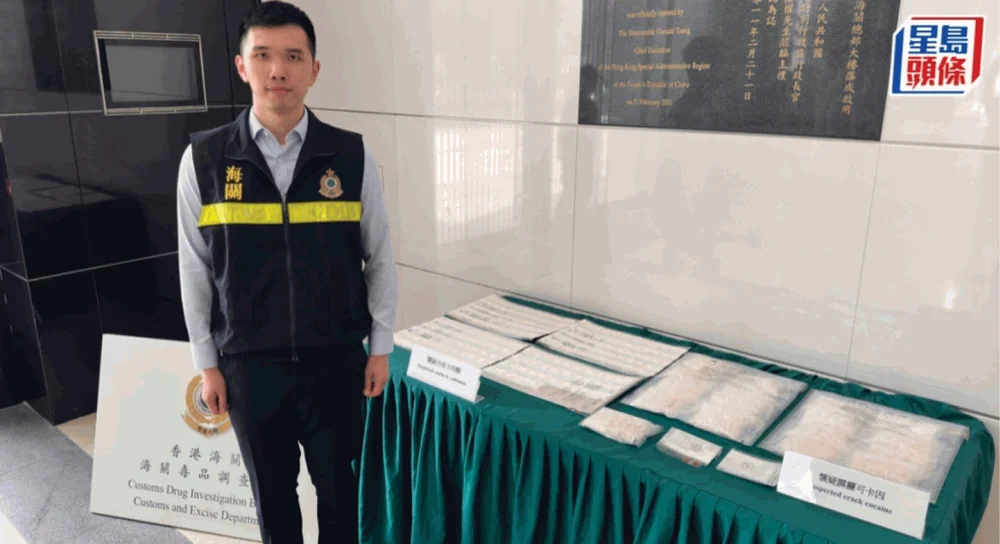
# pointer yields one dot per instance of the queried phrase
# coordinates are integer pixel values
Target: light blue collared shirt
(280, 160)
(195, 260)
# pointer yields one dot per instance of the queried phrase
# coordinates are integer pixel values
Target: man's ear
(315, 72)
(240, 68)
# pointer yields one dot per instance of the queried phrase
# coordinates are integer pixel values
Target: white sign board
(159, 454)
(445, 373)
(888, 504)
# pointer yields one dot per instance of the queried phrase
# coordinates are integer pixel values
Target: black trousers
(274, 406)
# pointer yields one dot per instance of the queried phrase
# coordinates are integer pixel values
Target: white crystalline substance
(917, 453)
(688, 447)
(569, 383)
(621, 427)
(673, 391)
(499, 315)
(722, 397)
(898, 458)
(735, 413)
(751, 468)
(891, 444)
(822, 433)
(620, 351)
(469, 344)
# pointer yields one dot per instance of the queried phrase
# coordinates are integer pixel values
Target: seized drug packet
(751, 468)
(620, 427)
(694, 451)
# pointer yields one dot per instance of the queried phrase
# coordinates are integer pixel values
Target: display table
(516, 469)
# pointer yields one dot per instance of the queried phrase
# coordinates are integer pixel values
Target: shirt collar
(256, 127)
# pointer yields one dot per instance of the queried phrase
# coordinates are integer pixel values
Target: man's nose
(278, 72)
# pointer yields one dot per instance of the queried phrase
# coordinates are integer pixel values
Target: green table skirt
(516, 469)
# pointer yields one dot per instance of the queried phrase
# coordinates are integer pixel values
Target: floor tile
(67, 508)
(81, 432)
(8, 534)
(27, 438)
(45, 482)
(206, 538)
(120, 531)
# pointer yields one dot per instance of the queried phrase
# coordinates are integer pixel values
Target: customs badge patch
(329, 185)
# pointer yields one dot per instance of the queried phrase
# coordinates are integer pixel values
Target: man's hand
(376, 374)
(213, 390)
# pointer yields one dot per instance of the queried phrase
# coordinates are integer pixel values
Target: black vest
(287, 276)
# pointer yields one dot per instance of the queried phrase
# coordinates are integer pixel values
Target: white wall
(872, 261)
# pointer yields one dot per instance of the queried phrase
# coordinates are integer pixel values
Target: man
(277, 211)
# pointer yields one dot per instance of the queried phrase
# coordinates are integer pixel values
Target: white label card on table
(445, 373)
(881, 502)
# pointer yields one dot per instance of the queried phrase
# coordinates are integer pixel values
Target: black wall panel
(11, 383)
(69, 338)
(30, 71)
(77, 20)
(11, 254)
(142, 299)
(88, 219)
(23, 375)
(46, 193)
(235, 10)
(130, 187)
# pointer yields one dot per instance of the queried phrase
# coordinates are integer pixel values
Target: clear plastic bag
(501, 316)
(725, 398)
(620, 351)
(471, 345)
(750, 468)
(898, 446)
(689, 448)
(575, 385)
(621, 427)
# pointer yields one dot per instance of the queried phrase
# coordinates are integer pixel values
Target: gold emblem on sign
(329, 185)
(198, 416)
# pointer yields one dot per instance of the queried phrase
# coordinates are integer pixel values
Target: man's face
(278, 66)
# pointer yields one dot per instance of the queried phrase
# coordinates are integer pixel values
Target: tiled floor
(45, 488)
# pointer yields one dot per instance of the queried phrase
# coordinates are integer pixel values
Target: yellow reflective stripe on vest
(240, 213)
(324, 212)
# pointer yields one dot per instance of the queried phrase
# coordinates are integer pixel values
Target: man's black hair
(274, 14)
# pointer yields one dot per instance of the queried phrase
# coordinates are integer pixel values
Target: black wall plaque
(799, 67)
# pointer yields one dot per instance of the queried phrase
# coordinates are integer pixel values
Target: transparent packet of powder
(725, 398)
(909, 449)
(689, 448)
(621, 427)
(749, 467)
